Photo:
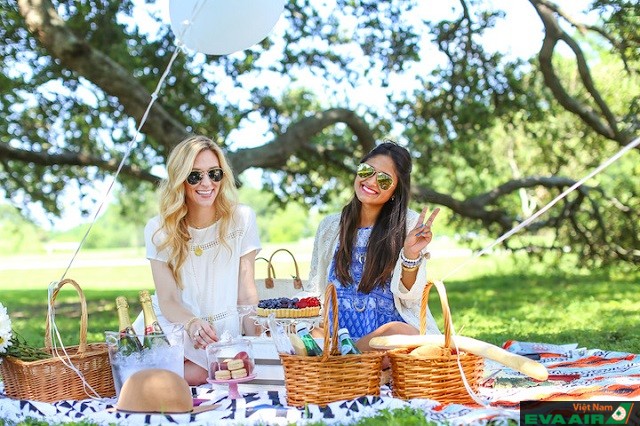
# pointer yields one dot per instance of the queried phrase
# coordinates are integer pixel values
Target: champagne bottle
(346, 343)
(128, 342)
(153, 334)
(309, 343)
(279, 336)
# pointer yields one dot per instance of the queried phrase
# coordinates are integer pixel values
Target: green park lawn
(495, 298)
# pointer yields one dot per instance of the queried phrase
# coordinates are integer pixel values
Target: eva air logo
(579, 413)
(621, 415)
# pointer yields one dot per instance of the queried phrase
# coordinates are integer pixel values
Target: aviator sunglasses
(196, 176)
(384, 180)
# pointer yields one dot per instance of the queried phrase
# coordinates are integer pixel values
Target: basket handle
(269, 271)
(330, 303)
(297, 282)
(84, 317)
(446, 312)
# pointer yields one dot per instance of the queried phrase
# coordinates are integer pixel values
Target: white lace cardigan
(406, 301)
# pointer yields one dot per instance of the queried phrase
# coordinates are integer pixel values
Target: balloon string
(131, 143)
(526, 222)
(186, 24)
(56, 340)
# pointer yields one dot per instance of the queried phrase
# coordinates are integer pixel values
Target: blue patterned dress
(359, 312)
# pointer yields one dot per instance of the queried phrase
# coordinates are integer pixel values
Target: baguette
(517, 362)
(430, 351)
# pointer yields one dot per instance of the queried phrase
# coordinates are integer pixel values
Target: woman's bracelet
(409, 263)
(189, 323)
(410, 269)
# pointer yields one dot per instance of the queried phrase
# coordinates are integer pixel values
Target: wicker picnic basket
(331, 377)
(435, 377)
(50, 380)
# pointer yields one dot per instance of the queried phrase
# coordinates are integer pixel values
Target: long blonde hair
(173, 208)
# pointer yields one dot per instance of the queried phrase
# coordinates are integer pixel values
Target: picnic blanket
(574, 374)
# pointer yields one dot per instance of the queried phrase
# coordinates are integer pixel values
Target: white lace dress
(210, 279)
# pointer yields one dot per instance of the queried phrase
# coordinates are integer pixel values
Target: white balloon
(220, 27)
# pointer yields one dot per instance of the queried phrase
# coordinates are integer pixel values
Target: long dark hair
(388, 233)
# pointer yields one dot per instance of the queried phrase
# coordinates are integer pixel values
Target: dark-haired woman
(374, 251)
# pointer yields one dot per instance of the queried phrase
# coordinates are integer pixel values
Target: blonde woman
(202, 248)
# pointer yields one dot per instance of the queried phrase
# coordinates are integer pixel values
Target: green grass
(494, 299)
(594, 311)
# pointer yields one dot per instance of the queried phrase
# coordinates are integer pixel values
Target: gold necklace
(203, 227)
(214, 220)
(198, 249)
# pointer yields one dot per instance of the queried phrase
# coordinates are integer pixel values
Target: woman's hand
(202, 333)
(420, 236)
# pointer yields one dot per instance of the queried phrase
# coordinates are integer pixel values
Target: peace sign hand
(420, 236)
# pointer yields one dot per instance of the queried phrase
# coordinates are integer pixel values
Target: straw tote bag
(272, 287)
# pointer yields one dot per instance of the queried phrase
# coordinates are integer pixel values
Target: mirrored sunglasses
(196, 176)
(384, 180)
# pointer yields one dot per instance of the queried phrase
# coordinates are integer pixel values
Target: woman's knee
(398, 327)
(194, 374)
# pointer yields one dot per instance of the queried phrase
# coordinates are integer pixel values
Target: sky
(519, 35)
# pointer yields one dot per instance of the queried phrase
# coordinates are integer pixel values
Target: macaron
(235, 364)
(239, 373)
(222, 375)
